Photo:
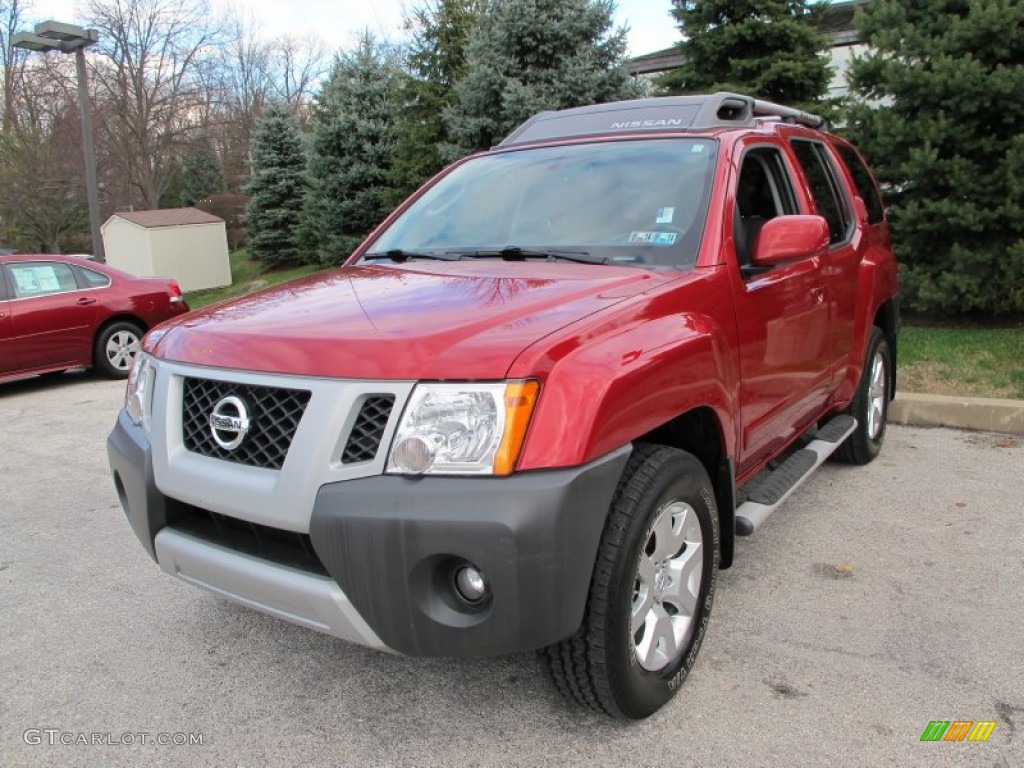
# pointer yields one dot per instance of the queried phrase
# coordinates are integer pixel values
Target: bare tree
(252, 72)
(241, 88)
(11, 14)
(300, 63)
(150, 84)
(42, 198)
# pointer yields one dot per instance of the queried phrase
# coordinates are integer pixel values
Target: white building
(836, 22)
(186, 244)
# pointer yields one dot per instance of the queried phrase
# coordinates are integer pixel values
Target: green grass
(247, 276)
(972, 362)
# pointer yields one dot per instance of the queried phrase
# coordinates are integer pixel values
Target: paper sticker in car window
(653, 238)
(665, 215)
(31, 280)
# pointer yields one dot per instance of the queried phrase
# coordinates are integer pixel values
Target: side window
(93, 279)
(40, 278)
(825, 188)
(764, 191)
(865, 184)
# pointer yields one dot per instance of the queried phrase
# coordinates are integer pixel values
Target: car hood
(434, 320)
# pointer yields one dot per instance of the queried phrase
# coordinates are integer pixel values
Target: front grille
(274, 415)
(274, 544)
(366, 434)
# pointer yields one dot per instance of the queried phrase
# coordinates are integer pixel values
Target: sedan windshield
(638, 202)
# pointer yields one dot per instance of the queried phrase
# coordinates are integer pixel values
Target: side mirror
(789, 238)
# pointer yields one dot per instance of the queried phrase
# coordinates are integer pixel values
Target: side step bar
(769, 494)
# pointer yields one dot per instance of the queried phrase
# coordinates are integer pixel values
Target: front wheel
(116, 346)
(651, 592)
(870, 404)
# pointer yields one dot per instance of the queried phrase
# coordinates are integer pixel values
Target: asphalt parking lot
(877, 600)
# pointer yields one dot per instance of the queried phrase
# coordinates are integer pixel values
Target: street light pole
(91, 184)
(68, 38)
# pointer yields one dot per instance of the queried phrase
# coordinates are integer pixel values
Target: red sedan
(60, 312)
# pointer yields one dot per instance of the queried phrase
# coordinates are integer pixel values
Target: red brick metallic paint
(619, 351)
(422, 320)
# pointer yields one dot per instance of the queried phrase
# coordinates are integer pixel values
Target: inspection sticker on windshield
(665, 215)
(653, 238)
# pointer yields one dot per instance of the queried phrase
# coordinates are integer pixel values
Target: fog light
(470, 584)
(414, 454)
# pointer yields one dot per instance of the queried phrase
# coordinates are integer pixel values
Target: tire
(115, 349)
(605, 665)
(870, 404)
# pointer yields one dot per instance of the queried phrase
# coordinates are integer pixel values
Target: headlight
(140, 383)
(463, 429)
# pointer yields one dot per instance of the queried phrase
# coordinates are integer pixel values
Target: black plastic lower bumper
(393, 543)
(131, 462)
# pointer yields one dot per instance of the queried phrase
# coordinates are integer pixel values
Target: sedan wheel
(116, 347)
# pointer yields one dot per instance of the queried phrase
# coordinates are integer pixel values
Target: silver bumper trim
(308, 599)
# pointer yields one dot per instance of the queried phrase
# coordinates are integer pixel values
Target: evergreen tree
(766, 48)
(436, 60)
(525, 56)
(202, 175)
(277, 186)
(352, 152)
(946, 138)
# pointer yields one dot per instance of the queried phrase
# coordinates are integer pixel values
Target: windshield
(625, 202)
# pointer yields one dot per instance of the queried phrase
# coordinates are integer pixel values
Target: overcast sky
(650, 25)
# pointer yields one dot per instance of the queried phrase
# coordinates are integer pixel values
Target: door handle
(85, 301)
(818, 294)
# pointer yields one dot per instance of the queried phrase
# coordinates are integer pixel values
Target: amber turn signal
(520, 398)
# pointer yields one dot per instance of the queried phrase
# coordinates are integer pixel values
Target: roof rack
(664, 114)
(789, 115)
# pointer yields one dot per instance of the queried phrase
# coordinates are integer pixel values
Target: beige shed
(184, 243)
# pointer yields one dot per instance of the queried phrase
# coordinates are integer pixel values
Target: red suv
(536, 406)
(60, 312)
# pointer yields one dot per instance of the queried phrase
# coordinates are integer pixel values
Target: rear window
(825, 188)
(864, 183)
(94, 279)
(631, 202)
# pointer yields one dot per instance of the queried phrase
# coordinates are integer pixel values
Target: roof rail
(661, 114)
(788, 114)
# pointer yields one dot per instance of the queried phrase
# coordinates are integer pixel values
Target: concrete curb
(982, 414)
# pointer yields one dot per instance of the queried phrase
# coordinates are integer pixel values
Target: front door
(782, 317)
(52, 320)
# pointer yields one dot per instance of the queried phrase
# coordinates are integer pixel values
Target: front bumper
(384, 548)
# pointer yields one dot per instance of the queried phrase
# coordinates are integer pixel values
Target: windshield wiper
(397, 254)
(515, 253)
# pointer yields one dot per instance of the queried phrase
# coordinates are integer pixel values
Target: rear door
(827, 189)
(52, 318)
(8, 352)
